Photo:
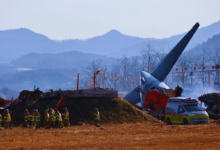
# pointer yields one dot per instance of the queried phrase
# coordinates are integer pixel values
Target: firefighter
(33, 123)
(219, 110)
(7, 119)
(46, 119)
(66, 117)
(37, 116)
(0, 121)
(51, 118)
(58, 119)
(9, 123)
(96, 117)
(26, 118)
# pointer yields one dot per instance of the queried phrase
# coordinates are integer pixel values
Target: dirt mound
(81, 111)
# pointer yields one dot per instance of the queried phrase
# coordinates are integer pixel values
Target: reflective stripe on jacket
(0, 118)
(32, 118)
(51, 118)
(96, 116)
(27, 117)
(7, 118)
(38, 118)
(58, 117)
(66, 115)
(46, 117)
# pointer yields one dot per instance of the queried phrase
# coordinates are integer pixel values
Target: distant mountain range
(55, 64)
(211, 45)
(66, 60)
(18, 42)
(201, 36)
(47, 70)
(45, 79)
(60, 70)
(77, 60)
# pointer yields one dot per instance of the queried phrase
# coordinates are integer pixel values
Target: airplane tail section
(164, 67)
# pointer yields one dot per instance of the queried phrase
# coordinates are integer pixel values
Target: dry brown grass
(114, 136)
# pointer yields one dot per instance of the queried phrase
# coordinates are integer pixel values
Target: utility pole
(77, 88)
(94, 80)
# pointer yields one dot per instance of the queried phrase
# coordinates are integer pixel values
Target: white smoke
(2, 96)
(197, 92)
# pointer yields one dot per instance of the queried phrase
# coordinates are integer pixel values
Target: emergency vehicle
(184, 110)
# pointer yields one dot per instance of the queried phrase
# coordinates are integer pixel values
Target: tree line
(124, 73)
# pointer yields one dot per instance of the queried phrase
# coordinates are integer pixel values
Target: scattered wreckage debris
(212, 102)
(3, 103)
(156, 100)
(60, 102)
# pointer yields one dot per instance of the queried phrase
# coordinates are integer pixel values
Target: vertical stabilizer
(164, 67)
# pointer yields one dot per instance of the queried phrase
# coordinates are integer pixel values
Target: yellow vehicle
(184, 110)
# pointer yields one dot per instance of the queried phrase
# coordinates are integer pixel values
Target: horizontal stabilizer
(133, 96)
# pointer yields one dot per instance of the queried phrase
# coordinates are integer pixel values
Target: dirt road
(114, 136)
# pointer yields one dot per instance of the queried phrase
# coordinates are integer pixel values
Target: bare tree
(135, 72)
(102, 76)
(203, 60)
(125, 71)
(182, 64)
(215, 59)
(148, 57)
(88, 73)
(160, 54)
(114, 77)
(192, 62)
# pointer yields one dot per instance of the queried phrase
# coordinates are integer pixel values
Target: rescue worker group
(52, 119)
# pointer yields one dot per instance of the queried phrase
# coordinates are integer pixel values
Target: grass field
(114, 136)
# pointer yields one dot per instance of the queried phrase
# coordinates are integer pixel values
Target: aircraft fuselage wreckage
(152, 92)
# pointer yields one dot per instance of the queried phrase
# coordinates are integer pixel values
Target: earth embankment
(81, 111)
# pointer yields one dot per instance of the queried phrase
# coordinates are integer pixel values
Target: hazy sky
(70, 19)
